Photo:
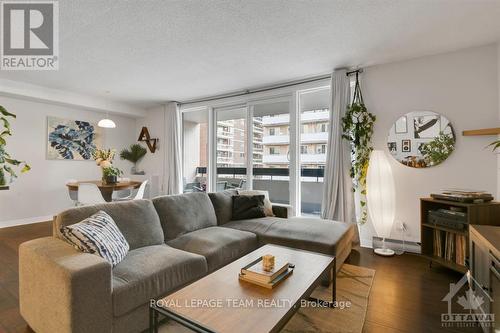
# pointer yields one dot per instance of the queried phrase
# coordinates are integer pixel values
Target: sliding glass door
(195, 152)
(314, 121)
(271, 148)
(231, 148)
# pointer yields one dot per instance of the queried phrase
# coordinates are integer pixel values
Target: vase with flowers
(104, 159)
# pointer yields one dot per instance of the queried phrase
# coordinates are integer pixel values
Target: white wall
(41, 192)
(153, 164)
(463, 86)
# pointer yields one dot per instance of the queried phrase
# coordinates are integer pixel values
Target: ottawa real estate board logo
(30, 35)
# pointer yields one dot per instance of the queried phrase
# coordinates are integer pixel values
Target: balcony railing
(276, 172)
(274, 180)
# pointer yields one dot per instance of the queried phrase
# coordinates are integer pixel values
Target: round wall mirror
(421, 139)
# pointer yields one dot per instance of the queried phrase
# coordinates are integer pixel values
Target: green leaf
(26, 168)
(12, 161)
(6, 113)
(6, 123)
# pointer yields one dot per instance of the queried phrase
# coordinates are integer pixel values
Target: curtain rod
(266, 88)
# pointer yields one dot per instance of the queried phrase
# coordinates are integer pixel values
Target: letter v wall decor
(145, 137)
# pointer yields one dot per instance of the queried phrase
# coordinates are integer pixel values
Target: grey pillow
(183, 213)
(223, 205)
(248, 207)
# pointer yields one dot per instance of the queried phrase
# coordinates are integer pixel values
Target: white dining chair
(73, 195)
(138, 195)
(89, 194)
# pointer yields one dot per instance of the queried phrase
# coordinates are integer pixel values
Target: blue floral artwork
(71, 139)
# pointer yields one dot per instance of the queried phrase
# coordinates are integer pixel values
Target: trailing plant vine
(357, 125)
(7, 163)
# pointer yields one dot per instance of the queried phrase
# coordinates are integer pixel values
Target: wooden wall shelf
(484, 131)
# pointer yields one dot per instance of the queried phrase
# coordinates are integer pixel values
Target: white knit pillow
(268, 206)
(99, 235)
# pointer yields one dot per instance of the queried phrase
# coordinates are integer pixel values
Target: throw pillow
(98, 234)
(248, 207)
(268, 206)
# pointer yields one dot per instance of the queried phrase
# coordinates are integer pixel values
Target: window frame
(290, 94)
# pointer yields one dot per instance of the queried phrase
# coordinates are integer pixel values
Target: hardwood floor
(405, 297)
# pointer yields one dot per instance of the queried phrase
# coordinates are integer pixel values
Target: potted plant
(134, 154)
(7, 163)
(104, 159)
(110, 174)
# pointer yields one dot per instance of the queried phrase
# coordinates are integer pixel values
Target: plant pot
(111, 179)
(3, 187)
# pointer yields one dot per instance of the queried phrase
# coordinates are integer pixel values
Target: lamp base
(384, 252)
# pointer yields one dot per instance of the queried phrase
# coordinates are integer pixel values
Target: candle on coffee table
(268, 262)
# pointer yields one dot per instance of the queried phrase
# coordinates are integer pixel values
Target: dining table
(106, 189)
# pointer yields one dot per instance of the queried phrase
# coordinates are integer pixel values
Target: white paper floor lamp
(381, 197)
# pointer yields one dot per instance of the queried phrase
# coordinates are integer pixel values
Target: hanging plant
(357, 125)
(7, 163)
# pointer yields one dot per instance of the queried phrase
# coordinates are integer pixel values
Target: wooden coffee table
(220, 302)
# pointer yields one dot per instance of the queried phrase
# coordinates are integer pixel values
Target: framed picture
(401, 125)
(72, 139)
(426, 127)
(406, 146)
(392, 147)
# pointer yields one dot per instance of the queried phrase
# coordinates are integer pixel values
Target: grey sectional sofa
(174, 240)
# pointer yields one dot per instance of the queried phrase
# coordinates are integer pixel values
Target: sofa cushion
(98, 234)
(223, 205)
(136, 219)
(180, 214)
(312, 234)
(248, 207)
(218, 245)
(151, 272)
(257, 226)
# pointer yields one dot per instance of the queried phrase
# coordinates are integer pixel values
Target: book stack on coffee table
(255, 273)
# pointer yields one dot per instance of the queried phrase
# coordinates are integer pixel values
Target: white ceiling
(150, 51)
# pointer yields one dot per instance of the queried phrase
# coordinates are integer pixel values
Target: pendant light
(106, 122)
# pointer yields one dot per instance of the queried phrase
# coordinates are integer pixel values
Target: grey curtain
(172, 144)
(338, 197)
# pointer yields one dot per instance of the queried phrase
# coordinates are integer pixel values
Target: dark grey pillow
(223, 205)
(248, 207)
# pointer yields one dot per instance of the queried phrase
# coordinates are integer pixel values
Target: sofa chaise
(174, 240)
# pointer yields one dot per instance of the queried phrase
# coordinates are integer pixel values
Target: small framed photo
(406, 146)
(401, 125)
(392, 147)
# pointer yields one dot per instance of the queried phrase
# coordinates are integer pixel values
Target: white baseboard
(394, 244)
(28, 220)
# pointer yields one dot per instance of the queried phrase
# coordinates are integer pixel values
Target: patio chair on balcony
(221, 186)
(238, 186)
(193, 187)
